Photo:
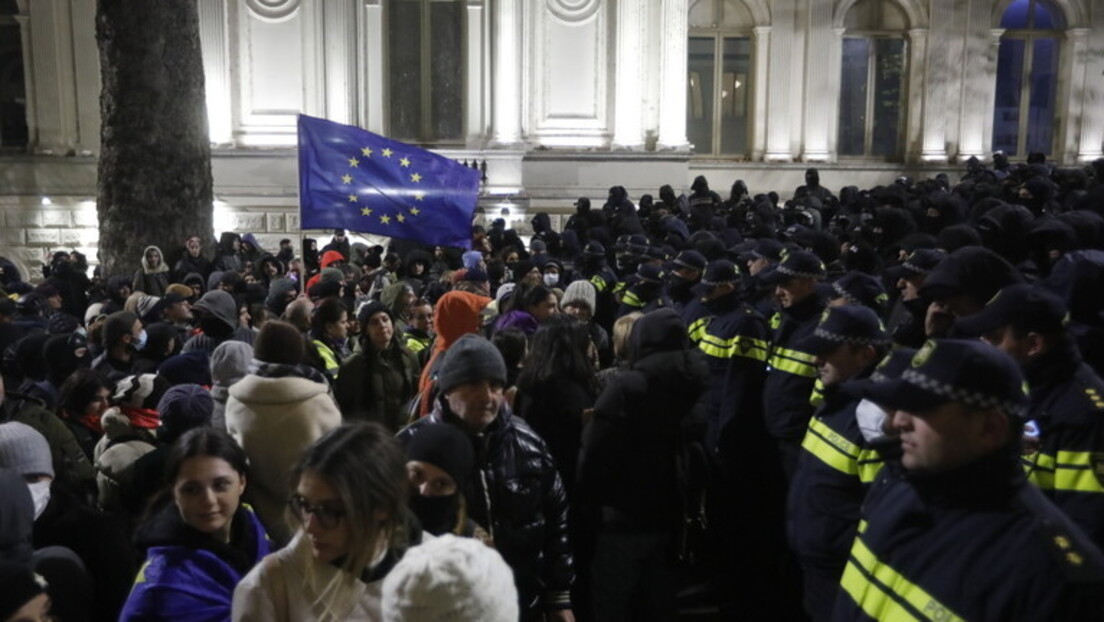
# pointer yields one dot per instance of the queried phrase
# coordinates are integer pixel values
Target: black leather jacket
(518, 488)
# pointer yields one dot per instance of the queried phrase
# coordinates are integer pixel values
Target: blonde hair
(622, 328)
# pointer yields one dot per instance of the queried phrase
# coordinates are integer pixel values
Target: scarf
(284, 370)
(145, 418)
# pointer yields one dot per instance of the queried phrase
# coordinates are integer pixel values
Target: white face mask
(871, 418)
(40, 493)
(551, 279)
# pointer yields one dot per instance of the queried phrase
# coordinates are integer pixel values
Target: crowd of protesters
(881, 404)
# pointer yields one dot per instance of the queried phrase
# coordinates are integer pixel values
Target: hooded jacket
(455, 315)
(189, 575)
(115, 455)
(152, 279)
(627, 465)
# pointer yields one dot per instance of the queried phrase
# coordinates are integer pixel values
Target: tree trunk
(154, 185)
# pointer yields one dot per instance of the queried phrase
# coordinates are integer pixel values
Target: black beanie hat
(21, 584)
(446, 447)
(279, 342)
(64, 354)
(471, 359)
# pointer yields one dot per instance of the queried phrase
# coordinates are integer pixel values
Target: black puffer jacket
(627, 466)
(518, 487)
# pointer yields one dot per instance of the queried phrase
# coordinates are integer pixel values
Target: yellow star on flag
(419, 195)
(367, 151)
(401, 218)
(346, 179)
(385, 220)
(352, 198)
(387, 153)
(404, 162)
(353, 161)
(367, 211)
(415, 178)
(415, 211)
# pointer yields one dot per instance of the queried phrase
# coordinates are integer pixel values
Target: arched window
(13, 91)
(1027, 78)
(873, 81)
(425, 74)
(718, 103)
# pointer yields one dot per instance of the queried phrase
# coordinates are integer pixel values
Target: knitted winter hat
(471, 359)
(446, 447)
(471, 259)
(142, 391)
(184, 407)
(580, 291)
(230, 362)
(450, 578)
(186, 368)
(24, 450)
(279, 342)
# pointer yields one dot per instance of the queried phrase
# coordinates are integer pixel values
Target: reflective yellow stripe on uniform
(884, 594)
(696, 330)
(794, 362)
(1074, 472)
(415, 345)
(740, 345)
(816, 398)
(632, 299)
(1039, 468)
(599, 283)
(328, 357)
(839, 453)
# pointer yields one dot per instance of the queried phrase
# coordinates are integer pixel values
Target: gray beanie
(450, 578)
(230, 362)
(580, 291)
(24, 450)
(471, 359)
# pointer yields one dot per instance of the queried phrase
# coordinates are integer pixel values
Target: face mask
(438, 515)
(142, 338)
(551, 279)
(40, 493)
(82, 331)
(871, 418)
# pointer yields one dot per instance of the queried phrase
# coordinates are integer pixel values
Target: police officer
(646, 294)
(836, 465)
(791, 372)
(906, 319)
(955, 531)
(1066, 399)
(682, 275)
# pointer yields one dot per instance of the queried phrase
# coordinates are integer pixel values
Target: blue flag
(360, 181)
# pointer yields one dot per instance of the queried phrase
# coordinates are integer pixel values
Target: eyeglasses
(326, 516)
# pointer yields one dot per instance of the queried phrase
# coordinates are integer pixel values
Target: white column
(628, 129)
(914, 136)
(761, 38)
(977, 119)
(86, 78)
(778, 116)
(934, 147)
(674, 30)
(506, 124)
(1075, 58)
(474, 92)
(989, 95)
(1091, 142)
(370, 45)
(338, 34)
(818, 44)
(835, 76)
(215, 47)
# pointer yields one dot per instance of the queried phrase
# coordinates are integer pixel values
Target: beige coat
(275, 420)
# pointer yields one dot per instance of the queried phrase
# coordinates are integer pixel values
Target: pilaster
(672, 77)
(628, 129)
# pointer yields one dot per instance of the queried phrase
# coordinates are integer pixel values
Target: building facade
(565, 98)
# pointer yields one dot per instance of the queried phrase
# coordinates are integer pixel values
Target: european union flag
(360, 181)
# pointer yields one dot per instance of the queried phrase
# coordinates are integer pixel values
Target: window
(718, 83)
(13, 91)
(1027, 77)
(872, 84)
(426, 71)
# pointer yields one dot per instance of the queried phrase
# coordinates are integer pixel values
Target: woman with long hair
(349, 508)
(329, 336)
(557, 387)
(199, 538)
(530, 308)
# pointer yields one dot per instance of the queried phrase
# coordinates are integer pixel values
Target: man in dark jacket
(955, 531)
(517, 494)
(1066, 399)
(628, 473)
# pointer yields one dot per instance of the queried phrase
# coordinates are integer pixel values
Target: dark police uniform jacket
(975, 543)
(791, 373)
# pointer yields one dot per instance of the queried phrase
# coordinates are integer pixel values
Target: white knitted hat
(450, 578)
